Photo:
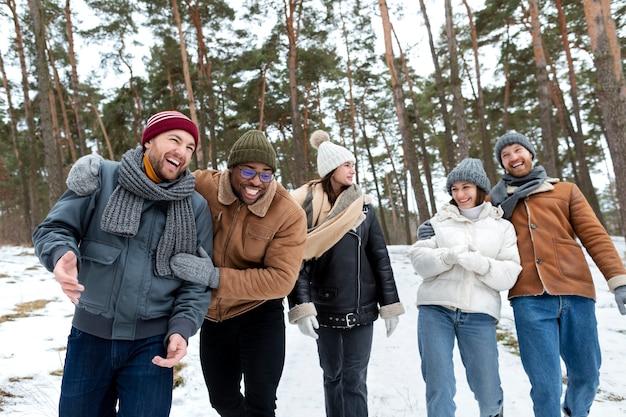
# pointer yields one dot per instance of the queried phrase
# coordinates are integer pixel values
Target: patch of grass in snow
(179, 380)
(3, 396)
(507, 338)
(24, 310)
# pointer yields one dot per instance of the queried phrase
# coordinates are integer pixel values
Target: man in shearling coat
(554, 298)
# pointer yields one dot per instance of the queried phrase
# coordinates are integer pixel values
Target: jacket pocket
(256, 240)
(568, 255)
(326, 293)
(98, 270)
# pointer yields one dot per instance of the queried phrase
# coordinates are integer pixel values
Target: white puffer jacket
(454, 286)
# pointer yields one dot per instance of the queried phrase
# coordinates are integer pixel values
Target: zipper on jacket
(358, 270)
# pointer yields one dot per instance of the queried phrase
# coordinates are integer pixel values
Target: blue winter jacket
(124, 298)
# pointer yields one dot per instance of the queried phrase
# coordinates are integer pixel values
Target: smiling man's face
(517, 160)
(170, 153)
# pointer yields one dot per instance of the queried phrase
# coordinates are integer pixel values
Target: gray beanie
(329, 155)
(510, 138)
(469, 170)
(253, 147)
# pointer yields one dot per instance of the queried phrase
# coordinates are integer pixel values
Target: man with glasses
(259, 238)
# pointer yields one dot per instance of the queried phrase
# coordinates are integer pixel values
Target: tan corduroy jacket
(258, 248)
(547, 223)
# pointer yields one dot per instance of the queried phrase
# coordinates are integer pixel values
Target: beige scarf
(326, 224)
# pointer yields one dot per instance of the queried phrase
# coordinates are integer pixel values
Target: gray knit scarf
(525, 185)
(122, 213)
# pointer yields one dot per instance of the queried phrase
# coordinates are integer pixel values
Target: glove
(450, 257)
(620, 299)
(425, 231)
(391, 323)
(307, 326)
(83, 177)
(197, 269)
(473, 261)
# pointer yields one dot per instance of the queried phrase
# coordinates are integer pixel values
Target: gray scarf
(122, 213)
(525, 185)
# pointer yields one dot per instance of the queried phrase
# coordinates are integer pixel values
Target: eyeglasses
(248, 174)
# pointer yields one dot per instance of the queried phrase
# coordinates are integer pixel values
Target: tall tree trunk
(21, 171)
(583, 178)
(611, 90)
(351, 105)
(76, 101)
(55, 177)
(293, 31)
(398, 99)
(544, 95)
(205, 83)
(190, 97)
(66, 123)
(32, 207)
(400, 188)
(455, 84)
(137, 110)
(419, 130)
(485, 139)
(450, 147)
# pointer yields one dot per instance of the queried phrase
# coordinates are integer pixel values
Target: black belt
(345, 321)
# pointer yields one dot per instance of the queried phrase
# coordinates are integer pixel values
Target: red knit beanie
(169, 120)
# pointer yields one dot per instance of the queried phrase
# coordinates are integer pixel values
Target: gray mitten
(620, 299)
(83, 177)
(198, 269)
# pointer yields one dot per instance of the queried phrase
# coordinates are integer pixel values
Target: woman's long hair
(327, 186)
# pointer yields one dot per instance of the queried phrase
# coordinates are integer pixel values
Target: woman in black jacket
(345, 277)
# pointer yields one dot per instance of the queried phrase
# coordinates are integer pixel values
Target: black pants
(251, 345)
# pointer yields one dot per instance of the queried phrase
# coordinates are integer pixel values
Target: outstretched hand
(176, 350)
(66, 273)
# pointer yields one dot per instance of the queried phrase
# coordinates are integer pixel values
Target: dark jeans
(344, 356)
(251, 345)
(98, 372)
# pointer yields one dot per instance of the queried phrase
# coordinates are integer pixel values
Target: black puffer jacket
(349, 281)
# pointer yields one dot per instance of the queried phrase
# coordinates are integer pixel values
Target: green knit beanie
(252, 147)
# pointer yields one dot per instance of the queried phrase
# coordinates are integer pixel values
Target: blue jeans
(344, 356)
(99, 372)
(550, 328)
(252, 346)
(437, 327)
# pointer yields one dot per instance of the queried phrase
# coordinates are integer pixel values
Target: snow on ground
(32, 348)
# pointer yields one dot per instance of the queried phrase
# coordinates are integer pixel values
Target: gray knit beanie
(253, 147)
(329, 155)
(510, 138)
(469, 170)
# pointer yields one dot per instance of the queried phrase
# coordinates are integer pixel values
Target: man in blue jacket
(110, 249)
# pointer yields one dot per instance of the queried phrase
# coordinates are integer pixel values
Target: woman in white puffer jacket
(471, 257)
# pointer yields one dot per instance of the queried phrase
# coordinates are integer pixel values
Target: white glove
(391, 323)
(307, 326)
(450, 256)
(473, 261)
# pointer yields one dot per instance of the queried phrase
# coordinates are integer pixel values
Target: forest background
(410, 99)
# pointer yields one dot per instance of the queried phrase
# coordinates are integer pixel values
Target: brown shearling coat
(547, 223)
(258, 248)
